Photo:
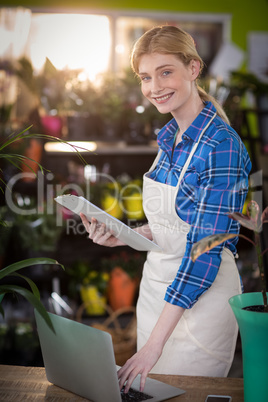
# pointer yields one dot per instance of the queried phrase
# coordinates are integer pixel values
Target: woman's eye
(144, 78)
(165, 73)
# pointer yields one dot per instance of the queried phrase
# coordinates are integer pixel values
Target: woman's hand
(99, 233)
(140, 363)
(145, 359)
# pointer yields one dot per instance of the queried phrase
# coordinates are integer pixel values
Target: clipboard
(127, 235)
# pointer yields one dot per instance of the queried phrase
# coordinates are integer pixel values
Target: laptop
(80, 359)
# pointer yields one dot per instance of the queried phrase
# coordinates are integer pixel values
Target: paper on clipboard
(121, 230)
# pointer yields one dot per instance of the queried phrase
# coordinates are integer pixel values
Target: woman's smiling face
(167, 83)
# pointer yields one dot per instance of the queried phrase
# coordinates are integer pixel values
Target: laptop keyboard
(134, 395)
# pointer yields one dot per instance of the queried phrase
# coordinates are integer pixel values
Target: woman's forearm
(169, 318)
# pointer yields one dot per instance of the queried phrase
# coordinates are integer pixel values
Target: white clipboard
(123, 232)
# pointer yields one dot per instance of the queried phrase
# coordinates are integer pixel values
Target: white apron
(203, 342)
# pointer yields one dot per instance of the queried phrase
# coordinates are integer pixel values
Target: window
(97, 43)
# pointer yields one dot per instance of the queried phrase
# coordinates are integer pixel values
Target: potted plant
(110, 199)
(248, 82)
(37, 233)
(31, 293)
(93, 292)
(125, 272)
(91, 284)
(250, 309)
(48, 89)
(132, 199)
(110, 101)
(81, 107)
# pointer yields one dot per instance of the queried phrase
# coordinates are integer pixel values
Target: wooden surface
(30, 384)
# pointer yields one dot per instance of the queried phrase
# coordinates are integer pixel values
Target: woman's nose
(156, 87)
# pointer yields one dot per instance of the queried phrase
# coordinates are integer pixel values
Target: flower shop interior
(71, 105)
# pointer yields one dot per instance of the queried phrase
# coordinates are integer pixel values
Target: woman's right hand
(99, 233)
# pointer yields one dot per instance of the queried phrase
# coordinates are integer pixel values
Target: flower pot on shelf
(112, 206)
(121, 289)
(133, 206)
(94, 301)
(253, 327)
(34, 152)
(52, 125)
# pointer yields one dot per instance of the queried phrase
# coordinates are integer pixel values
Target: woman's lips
(163, 98)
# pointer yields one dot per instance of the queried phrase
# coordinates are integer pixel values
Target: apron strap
(185, 167)
(155, 161)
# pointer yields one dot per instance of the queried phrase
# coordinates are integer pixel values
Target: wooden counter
(30, 384)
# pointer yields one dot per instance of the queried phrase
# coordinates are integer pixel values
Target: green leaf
(209, 242)
(23, 135)
(18, 160)
(32, 285)
(13, 138)
(27, 263)
(31, 298)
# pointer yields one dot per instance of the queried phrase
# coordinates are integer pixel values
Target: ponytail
(209, 98)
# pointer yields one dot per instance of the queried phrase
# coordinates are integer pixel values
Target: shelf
(101, 148)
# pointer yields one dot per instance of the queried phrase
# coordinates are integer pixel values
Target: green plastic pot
(253, 327)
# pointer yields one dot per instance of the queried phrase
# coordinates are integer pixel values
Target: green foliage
(245, 81)
(31, 295)
(37, 231)
(18, 161)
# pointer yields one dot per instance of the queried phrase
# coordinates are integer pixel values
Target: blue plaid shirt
(215, 183)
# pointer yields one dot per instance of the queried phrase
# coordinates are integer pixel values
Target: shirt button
(185, 137)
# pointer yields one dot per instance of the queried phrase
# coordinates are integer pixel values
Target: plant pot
(52, 125)
(253, 328)
(133, 206)
(83, 127)
(34, 152)
(112, 206)
(94, 301)
(121, 289)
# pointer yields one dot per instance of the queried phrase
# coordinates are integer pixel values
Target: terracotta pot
(121, 289)
(34, 151)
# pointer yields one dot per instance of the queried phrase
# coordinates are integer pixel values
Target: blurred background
(64, 73)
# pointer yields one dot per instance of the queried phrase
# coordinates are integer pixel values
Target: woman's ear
(195, 68)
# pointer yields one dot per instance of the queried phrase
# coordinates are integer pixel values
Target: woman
(185, 325)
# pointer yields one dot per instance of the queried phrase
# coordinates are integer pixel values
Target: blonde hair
(169, 39)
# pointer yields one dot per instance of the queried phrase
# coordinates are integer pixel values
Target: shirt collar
(165, 136)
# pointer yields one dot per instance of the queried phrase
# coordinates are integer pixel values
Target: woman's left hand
(145, 359)
(140, 363)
